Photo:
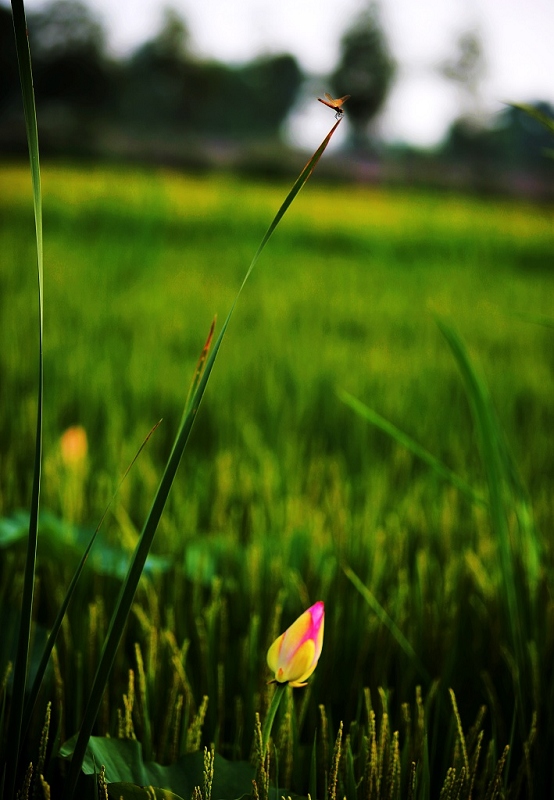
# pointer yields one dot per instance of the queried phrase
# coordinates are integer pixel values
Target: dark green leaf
(21, 661)
(128, 791)
(124, 763)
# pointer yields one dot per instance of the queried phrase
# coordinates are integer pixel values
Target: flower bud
(74, 447)
(293, 656)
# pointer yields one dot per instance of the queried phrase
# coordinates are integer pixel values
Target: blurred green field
(282, 482)
(137, 264)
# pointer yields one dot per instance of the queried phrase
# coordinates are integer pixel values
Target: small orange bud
(74, 446)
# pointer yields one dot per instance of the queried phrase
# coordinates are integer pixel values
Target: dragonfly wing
(343, 99)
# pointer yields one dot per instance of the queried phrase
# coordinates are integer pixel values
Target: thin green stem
(272, 710)
(9, 778)
(128, 589)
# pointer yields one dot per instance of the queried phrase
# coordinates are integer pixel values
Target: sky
(517, 38)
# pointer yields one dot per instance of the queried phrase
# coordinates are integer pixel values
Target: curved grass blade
(499, 474)
(537, 319)
(410, 444)
(537, 114)
(299, 183)
(129, 587)
(33, 694)
(200, 367)
(22, 653)
(385, 620)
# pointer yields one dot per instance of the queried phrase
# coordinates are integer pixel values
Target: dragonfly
(336, 105)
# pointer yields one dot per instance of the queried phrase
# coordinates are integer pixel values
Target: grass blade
(498, 470)
(200, 367)
(128, 589)
(385, 620)
(410, 444)
(537, 319)
(22, 653)
(537, 114)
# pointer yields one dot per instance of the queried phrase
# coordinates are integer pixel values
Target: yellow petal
(273, 653)
(294, 636)
(302, 663)
(303, 678)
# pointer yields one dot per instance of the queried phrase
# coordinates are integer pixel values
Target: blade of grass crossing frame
(200, 367)
(299, 183)
(493, 457)
(22, 654)
(385, 620)
(410, 444)
(537, 114)
(128, 589)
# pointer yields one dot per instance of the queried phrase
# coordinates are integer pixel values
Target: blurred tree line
(162, 96)
(161, 89)
(514, 137)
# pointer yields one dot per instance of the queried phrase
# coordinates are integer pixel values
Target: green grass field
(284, 489)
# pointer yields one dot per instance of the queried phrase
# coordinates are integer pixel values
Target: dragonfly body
(336, 105)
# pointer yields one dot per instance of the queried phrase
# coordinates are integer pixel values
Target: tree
(9, 84)
(365, 71)
(64, 26)
(243, 102)
(516, 141)
(467, 69)
(271, 84)
(156, 92)
(69, 62)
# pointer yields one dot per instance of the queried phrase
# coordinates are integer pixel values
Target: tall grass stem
(24, 632)
(129, 587)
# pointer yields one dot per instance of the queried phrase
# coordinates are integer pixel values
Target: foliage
(365, 71)
(519, 138)
(284, 483)
(402, 599)
(13, 736)
(467, 67)
(71, 68)
(161, 90)
(9, 85)
(124, 763)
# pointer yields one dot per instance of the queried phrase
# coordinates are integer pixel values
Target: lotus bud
(293, 656)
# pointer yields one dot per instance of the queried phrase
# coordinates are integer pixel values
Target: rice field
(287, 494)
